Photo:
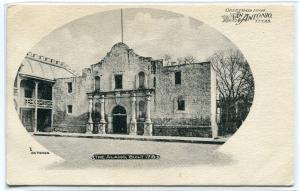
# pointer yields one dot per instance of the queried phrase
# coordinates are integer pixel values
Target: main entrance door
(119, 120)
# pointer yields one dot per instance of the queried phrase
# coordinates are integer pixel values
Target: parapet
(50, 61)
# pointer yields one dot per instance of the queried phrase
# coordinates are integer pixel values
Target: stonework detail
(125, 93)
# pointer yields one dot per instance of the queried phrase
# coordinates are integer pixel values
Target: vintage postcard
(195, 95)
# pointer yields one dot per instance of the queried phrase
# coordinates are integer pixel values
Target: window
(154, 82)
(97, 83)
(177, 77)
(69, 87)
(141, 80)
(118, 81)
(70, 108)
(181, 104)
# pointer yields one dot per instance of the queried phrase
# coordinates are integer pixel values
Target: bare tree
(186, 60)
(189, 60)
(235, 85)
(167, 59)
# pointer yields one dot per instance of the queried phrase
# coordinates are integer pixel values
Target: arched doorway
(119, 120)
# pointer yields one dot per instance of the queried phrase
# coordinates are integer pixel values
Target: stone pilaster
(214, 128)
(148, 108)
(148, 123)
(148, 128)
(133, 126)
(89, 126)
(213, 105)
(102, 116)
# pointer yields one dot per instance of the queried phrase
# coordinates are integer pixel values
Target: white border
(3, 185)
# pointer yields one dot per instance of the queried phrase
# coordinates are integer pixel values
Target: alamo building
(124, 93)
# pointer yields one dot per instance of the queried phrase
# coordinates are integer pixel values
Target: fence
(41, 103)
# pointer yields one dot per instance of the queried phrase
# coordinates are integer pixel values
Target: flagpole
(122, 24)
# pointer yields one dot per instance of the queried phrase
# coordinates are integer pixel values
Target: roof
(37, 66)
(121, 47)
(187, 64)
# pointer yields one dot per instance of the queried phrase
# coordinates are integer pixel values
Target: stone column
(102, 116)
(133, 126)
(148, 108)
(146, 81)
(148, 123)
(36, 106)
(95, 121)
(89, 126)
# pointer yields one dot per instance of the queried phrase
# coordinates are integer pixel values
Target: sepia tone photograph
(132, 88)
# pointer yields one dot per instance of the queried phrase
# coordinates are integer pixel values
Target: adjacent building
(33, 96)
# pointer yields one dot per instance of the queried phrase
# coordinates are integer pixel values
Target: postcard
(158, 94)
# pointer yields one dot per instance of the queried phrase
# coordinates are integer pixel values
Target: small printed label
(125, 156)
(239, 16)
(38, 152)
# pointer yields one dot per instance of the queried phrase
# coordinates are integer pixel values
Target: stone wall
(75, 121)
(182, 131)
(194, 88)
(122, 60)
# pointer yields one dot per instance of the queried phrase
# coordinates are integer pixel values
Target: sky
(149, 32)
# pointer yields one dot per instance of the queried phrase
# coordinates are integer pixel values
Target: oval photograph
(156, 87)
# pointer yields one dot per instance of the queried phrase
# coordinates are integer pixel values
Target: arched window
(141, 80)
(97, 83)
(180, 104)
(142, 111)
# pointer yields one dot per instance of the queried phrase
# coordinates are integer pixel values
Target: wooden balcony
(16, 91)
(41, 103)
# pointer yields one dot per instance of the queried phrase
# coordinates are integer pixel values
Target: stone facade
(129, 94)
(74, 121)
(194, 89)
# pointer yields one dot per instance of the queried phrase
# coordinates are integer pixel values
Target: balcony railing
(41, 103)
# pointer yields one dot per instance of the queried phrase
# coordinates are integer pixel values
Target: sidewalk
(202, 140)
